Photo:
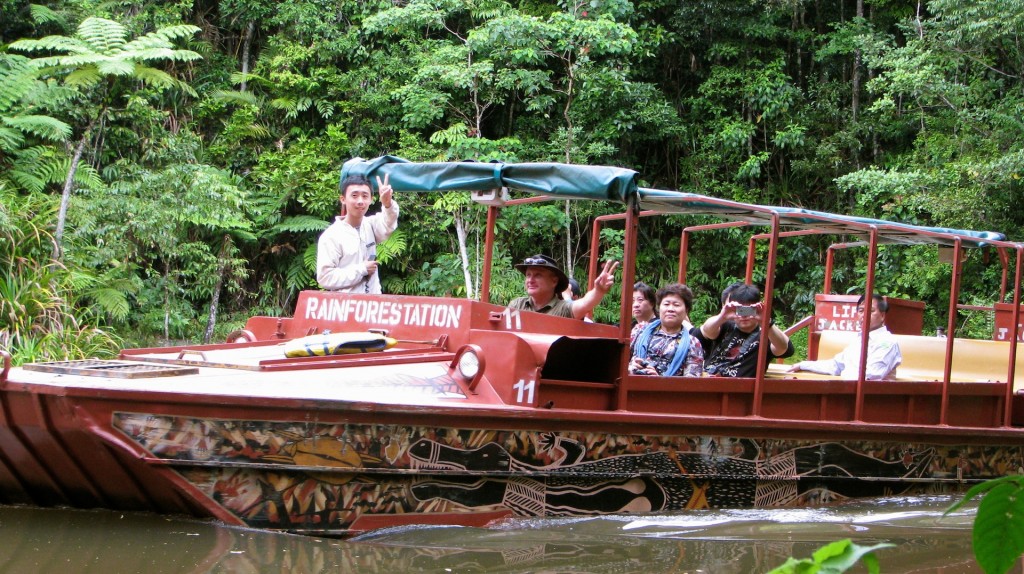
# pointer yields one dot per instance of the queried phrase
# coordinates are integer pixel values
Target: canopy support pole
(1014, 340)
(954, 296)
(485, 283)
(869, 303)
(625, 301)
(766, 314)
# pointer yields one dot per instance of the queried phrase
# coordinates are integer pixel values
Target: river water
(61, 541)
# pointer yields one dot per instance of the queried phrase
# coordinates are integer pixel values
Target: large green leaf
(834, 558)
(998, 535)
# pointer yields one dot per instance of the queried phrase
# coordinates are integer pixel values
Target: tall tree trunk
(565, 111)
(568, 241)
(875, 145)
(460, 232)
(476, 131)
(167, 302)
(460, 225)
(65, 197)
(568, 159)
(222, 269)
(250, 30)
(855, 103)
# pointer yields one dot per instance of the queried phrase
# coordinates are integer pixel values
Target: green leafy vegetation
(174, 163)
(998, 533)
(834, 558)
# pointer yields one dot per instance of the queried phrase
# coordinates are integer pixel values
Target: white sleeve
(823, 367)
(386, 222)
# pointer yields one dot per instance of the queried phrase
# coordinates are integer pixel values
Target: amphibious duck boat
(469, 412)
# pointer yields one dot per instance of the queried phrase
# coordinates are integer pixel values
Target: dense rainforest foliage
(166, 168)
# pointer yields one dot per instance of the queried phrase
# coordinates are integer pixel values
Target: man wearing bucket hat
(545, 281)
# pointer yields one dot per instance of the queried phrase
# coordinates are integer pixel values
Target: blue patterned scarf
(682, 347)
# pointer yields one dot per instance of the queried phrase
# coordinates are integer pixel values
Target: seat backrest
(924, 357)
(986, 360)
(831, 343)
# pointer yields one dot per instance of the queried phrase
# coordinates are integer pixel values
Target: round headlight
(469, 364)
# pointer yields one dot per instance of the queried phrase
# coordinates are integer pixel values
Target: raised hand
(385, 190)
(606, 279)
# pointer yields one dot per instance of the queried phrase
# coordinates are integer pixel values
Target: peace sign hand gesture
(606, 279)
(385, 190)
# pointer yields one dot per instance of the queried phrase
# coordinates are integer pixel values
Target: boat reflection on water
(718, 541)
(36, 540)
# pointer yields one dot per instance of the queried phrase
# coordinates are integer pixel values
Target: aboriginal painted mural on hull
(306, 476)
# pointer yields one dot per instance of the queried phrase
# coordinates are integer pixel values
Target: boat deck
(261, 370)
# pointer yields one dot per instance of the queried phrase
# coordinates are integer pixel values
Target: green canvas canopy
(561, 181)
(603, 183)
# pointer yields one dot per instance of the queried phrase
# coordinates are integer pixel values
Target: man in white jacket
(883, 349)
(346, 257)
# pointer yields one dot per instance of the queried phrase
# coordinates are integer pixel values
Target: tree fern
(117, 67)
(33, 169)
(163, 38)
(22, 90)
(19, 88)
(44, 127)
(45, 96)
(255, 131)
(236, 97)
(17, 75)
(25, 179)
(299, 224)
(101, 49)
(102, 35)
(49, 165)
(164, 53)
(298, 277)
(248, 78)
(285, 104)
(98, 51)
(392, 247)
(160, 79)
(301, 272)
(108, 292)
(50, 44)
(85, 76)
(10, 139)
(46, 15)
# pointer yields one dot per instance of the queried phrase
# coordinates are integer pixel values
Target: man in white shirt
(346, 256)
(883, 350)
